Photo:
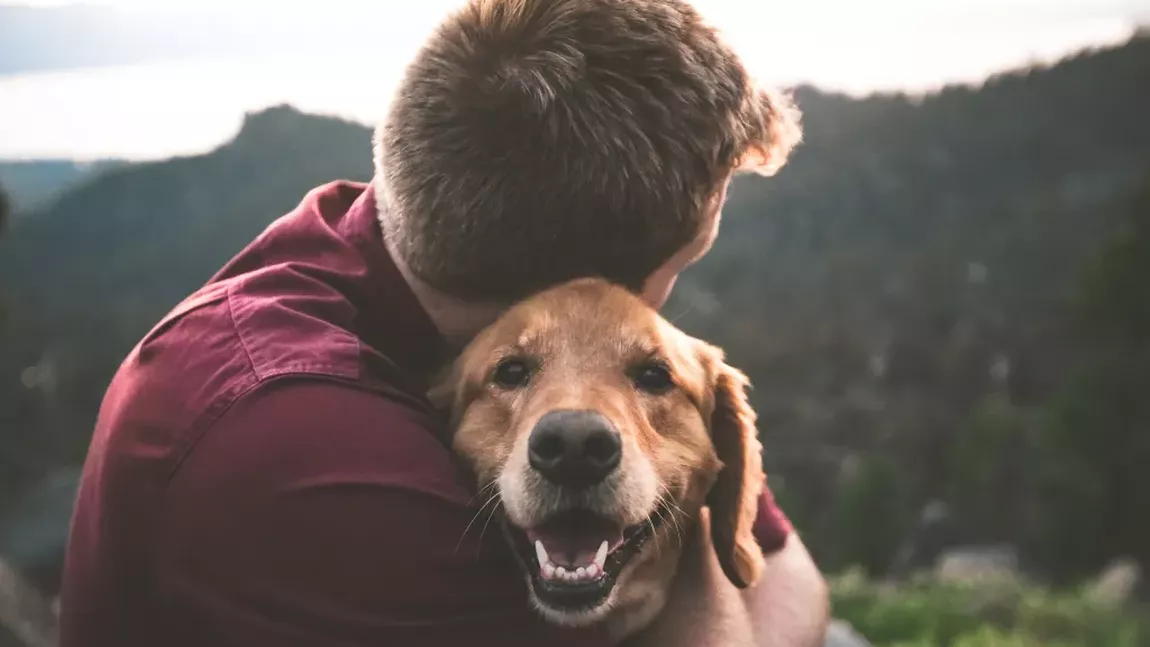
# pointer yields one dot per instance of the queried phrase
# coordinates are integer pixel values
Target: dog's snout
(574, 448)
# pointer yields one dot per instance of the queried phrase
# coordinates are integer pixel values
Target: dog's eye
(653, 378)
(511, 373)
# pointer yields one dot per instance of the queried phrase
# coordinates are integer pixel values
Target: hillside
(31, 184)
(916, 262)
(914, 265)
(86, 277)
(906, 234)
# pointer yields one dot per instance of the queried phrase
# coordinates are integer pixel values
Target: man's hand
(789, 607)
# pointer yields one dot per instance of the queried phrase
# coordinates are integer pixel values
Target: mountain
(902, 289)
(86, 276)
(914, 266)
(32, 183)
(906, 225)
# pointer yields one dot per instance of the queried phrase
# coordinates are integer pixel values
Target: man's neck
(456, 319)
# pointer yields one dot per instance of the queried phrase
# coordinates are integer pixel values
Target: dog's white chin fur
(581, 618)
(641, 610)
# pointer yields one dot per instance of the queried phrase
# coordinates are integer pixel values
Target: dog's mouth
(574, 557)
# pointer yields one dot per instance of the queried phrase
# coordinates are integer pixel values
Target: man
(265, 469)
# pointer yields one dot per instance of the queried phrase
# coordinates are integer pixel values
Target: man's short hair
(535, 141)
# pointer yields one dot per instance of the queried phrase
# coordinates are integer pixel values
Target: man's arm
(316, 515)
(789, 607)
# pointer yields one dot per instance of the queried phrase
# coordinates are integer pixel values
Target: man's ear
(733, 499)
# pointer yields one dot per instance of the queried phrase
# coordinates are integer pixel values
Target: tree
(870, 517)
(1096, 488)
(4, 210)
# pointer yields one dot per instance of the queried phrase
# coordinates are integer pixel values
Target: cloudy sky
(853, 46)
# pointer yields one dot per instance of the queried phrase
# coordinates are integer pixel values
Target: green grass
(925, 613)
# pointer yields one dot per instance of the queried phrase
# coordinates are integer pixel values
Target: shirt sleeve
(313, 514)
(772, 527)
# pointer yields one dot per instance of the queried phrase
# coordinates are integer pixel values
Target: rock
(1116, 583)
(929, 537)
(978, 563)
(24, 612)
(841, 634)
(34, 532)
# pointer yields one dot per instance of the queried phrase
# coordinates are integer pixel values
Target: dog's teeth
(601, 555)
(585, 573)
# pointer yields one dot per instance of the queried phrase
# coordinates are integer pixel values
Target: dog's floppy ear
(457, 383)
(733, 499)
(445, 387)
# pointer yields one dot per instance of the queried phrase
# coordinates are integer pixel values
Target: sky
(855, 46)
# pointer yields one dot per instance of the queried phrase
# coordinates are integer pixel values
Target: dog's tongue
(572, 538)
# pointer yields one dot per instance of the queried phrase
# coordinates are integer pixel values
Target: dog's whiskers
(494, 498)
(666, 500)
(651, 524)
(674, 506)
(490, 484)
(490, 516)
(688, 310)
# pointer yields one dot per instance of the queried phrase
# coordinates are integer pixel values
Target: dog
(601, 430)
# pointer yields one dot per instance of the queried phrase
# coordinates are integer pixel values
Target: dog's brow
(529, 342)
(526, 339)
(508, 351)
(639, 345)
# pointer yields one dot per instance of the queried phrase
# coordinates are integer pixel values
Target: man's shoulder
(312, 298)
(221, 342)
(229, 346)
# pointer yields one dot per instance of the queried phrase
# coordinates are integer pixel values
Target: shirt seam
(239, 335)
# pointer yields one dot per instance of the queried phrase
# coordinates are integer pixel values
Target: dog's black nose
(574, 448)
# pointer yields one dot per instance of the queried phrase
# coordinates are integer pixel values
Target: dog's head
(601, 429)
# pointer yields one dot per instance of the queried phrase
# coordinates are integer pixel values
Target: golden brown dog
(601, 430)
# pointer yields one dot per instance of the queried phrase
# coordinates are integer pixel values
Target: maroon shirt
(265, 471)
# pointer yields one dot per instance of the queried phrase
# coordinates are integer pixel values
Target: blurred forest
(941, 300)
